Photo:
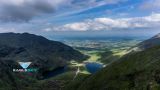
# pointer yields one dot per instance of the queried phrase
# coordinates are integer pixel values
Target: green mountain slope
(42, 52)
(149, 43)
(134, 71)
(45, 55)
(7, 80)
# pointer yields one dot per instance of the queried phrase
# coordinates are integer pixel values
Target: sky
(80, 17)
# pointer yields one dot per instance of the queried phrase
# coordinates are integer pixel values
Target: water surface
(93, 67)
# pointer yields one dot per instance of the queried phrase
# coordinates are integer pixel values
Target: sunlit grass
(118, 52)
(93, 57)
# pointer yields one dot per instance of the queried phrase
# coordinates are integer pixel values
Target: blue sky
(47, 17)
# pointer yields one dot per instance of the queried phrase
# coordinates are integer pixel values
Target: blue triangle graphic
(24, 64)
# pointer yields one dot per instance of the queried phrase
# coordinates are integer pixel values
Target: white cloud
(48, 29)
(80, 26)
(153, 18)
(151, 21)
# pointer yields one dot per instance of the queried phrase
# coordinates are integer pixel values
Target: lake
(55, 72)
(93, 67)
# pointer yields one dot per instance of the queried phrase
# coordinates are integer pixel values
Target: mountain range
(134, 71)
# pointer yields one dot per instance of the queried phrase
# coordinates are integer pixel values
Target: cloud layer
(151, 21)
(24, 10)
(37, 16)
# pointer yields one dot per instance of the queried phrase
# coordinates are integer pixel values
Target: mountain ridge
(149, 43)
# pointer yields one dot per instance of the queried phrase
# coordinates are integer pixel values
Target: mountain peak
(157, 36)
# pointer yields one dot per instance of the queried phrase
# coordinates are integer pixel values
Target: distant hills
(134, 71)
(154, 41)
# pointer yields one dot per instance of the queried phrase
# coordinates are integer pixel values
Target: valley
(79, 44)
(136, 70)
(101, 53)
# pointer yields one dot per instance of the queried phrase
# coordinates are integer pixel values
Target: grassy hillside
(45, 55)
(108, 56)
(136, 71)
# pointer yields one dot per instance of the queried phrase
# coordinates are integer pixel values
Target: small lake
(93, 67)
(54, 72)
